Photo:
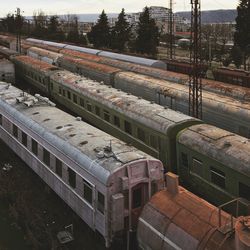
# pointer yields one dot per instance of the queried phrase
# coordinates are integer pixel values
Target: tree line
(122, 37)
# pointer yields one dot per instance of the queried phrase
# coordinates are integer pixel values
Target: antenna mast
(195, 77)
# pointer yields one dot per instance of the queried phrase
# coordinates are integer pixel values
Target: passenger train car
(105, 181)
(228, 112)
(152, 128)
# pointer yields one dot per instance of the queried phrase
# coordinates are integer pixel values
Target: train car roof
(226, 104)
(147, 113)
(89, 64)
(227, 148)
(35, 64)
(82, 49)
(134, 59)
(7, 53)
(45, 53)
(87, 146)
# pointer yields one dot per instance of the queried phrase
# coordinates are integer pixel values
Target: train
(104, 180)
(225, 111)
(180, 69)
(209, 85)
(112, 186)
(203, 163)
(233, 76)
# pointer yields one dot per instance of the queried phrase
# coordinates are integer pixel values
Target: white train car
(105, 181)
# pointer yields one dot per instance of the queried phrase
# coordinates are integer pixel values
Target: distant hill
(214, 16)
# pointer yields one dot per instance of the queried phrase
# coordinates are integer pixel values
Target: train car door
(139, 199)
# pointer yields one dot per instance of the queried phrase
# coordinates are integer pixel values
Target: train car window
(89, 106)
(58, 167)
(72, 178)
(97, 111)
(74, 98)
(46, 157)
(69, 94)
(117, 121)
(197, 167)
(244, 191)
(24, 139)
(60, 90)
(100, 202)
(128, 127)
(141, 134)
(218, 177)
(106, 115)
(64, 92)
(184, 160)
(34, 147)
(51, 86)
(87, 192)
(81, 102)
(153, 142)
(1, 119)
(244, 131)
(15, 130)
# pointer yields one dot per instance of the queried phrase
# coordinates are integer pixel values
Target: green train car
(148, 126)
(215, 162)
(198, 153)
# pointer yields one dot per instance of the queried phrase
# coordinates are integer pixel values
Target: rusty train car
(176, 219)
(233, 76)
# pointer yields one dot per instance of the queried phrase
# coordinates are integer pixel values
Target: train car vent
(36, 113)
(72, 135)
(59, 127)
(83, 143)
(78, 118)
(46, 120)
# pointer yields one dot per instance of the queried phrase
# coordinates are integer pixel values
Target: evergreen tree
(237, 56)
(9, 23)
(242, 34)
(120, 34)
(147, 34)
(100, 33)
(55, 33)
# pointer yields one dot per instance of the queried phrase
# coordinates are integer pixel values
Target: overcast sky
(110, 6)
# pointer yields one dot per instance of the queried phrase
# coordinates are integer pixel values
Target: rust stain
(80, 55)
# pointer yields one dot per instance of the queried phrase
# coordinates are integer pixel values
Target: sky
(110, 6)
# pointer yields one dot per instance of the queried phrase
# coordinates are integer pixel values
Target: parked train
(108, 183)
(202, 163)
(105, 181)
(226, 112)
(158, 68)
(233, 76)
(209, 85)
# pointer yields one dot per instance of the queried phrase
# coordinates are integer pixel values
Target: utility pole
(195, 77)
(18, 29)
(171, 30)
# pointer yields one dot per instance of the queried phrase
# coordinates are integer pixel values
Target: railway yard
(107, 141)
